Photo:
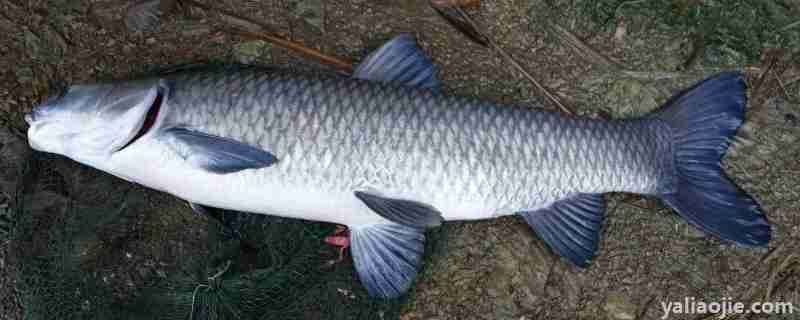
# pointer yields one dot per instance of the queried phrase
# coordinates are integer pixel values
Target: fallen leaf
(621, 31)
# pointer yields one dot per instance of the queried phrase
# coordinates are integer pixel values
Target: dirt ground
(490, 269)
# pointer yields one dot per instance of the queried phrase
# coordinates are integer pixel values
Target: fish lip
(30, 118)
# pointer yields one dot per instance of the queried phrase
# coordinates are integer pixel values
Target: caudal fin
(703, 119)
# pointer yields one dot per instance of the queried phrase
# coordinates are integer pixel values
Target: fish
(389, 155)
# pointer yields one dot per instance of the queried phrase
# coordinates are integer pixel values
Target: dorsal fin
(399, 61)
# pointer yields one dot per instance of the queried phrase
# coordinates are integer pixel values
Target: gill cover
(91, 121)
(120, 115)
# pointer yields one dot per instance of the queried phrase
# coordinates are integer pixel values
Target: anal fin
(571, 227)
(386, 257)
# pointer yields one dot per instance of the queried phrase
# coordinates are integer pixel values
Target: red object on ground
(338, 240)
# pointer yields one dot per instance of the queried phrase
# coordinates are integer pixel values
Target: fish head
(89, 123)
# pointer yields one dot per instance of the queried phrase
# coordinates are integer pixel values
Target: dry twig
(343, 65)
(456, 3)
(516, 65)
(763, 77)
(596, 58)
(465, 28)
(780, 84)
(583, 49)
(262, 33)
(791, 25)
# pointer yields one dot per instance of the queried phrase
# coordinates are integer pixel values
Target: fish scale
(433, 147)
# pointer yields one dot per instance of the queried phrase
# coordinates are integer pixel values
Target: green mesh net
(86, 245)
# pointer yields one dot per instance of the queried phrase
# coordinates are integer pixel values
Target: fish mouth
(30, 118)
(36, 112)
(34, 116)
(149, 119)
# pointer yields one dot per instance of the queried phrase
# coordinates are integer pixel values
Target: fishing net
(85, 245)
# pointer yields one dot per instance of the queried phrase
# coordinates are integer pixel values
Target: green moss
(743, 26)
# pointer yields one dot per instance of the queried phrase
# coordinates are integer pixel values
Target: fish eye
(60, 92)
(59, 89)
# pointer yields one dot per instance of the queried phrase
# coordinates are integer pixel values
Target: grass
(725, 27)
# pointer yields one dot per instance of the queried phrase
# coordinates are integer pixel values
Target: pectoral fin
(386, 257)
(571, 227)
(202, 210)
(229, 230)
(216, 154)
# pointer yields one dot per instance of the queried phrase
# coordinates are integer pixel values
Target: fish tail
(702, 121)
